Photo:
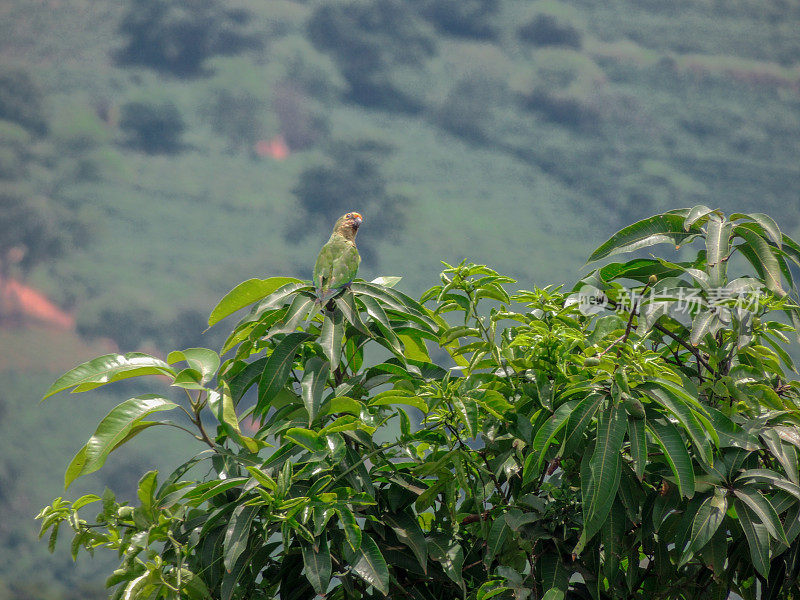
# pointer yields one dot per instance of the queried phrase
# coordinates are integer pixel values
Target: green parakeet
(337, 263)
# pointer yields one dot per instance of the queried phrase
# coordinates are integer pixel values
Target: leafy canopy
(476, 443)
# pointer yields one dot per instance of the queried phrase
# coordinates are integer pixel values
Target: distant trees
(367, 41)
(34, 223)
(21, 101)
(549, 30)
(152, 127)
(176, 38)
(351, 180)
(234, 115)
(132, 322)
(467, 18)
(561, 87)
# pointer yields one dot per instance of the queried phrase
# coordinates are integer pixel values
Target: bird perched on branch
(337, 263)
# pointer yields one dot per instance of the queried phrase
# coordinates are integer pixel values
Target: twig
(686, 345)
(633, 312)
(497, 484)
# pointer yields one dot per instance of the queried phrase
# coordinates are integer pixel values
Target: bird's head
(348, 225)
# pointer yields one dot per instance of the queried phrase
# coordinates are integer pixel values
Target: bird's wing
(324, 265)
(345, 267)
(322, 268)
(337, 265)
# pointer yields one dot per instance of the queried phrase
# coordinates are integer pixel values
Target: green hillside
(135, 172)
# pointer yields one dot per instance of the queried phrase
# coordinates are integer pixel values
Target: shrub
(649, 452)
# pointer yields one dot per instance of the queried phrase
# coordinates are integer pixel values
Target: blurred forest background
(154, 153)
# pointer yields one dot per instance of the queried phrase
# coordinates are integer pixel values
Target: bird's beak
(357, 222)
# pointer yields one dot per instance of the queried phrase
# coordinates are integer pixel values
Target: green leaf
(138, 587)
(638, 440)
(191, 379)
(761, 257)
(638, 269)
(579, 420)
(701, 325)
(341, 404)
(245, 294)
(108, 368)
(490, 589)
(347, 304)
(763, 509)
(315, 378)
(467, 410)
(352, 531)
(667, 436)
(706, 522)
(369, 564)
(147, 489)
(392, 397)
(773, 478)
(757, 537)
(415, 348)
(459, 331)
(396, 301)
(117, 427)
(498, 534)
(767, 223)
(277, 370)
(376, 311)
(718, 246)
(605, 462)
(544, 438)
(208, 490)
(555, 577)
(445, 550)
(221, 404)
(317, 562)
(406, 527)
(658, 229)
(245, 377)
(695, 215)
(203, 360)
(84, 500)
(303, 305)
(387, 281)
(308, 439)
(331, 336)
(237, 534)
(262, 478)
(730, 434)
(785, 453)
(492, 402)
(715, 553)
(611, 534)
(676, 405)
